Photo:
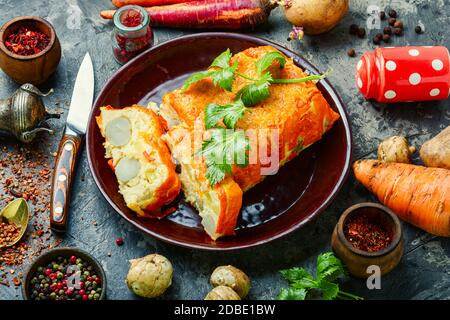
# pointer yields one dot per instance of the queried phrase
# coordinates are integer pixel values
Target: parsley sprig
(225, 147)
(301, 282)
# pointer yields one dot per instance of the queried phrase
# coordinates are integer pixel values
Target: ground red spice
(26, 42)
(131, 19)
(24, 172)
(365, 234)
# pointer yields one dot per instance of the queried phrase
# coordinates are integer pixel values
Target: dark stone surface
(424, 272)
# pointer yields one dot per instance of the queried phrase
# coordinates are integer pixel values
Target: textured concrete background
(424, 272)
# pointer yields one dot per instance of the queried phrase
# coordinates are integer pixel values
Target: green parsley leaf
(255, 92)
(329, 290)
(229, 113)
(194, 78)
(266, 61)
(292, 294)
(224, 77)
(329, 267)
(223, 60)
(221, 150)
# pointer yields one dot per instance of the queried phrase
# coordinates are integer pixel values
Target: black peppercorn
(386, 38)
(382, 15)
(392, 13)
(376, 40)
(351, 52)
(392, 21)
(418, 29)
(354, 29)
(387, 30)
(361, 32)
(398, 31)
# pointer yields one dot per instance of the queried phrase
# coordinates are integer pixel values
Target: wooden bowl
(357, 261)
(282, 203)
(36, 68)
(63, 252)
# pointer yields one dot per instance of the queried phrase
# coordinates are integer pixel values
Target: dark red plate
(280, 204)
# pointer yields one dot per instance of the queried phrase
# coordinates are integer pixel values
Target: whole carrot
(146, 3)
(417, 194)
(208, 14)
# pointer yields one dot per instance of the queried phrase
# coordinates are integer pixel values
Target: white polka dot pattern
(412, 73)
(437, 64)
(415, 78)
(435, 92)
(390, 94)
(413, 52)
(391, 65)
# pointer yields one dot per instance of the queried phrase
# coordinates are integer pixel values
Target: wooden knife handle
(62, 180)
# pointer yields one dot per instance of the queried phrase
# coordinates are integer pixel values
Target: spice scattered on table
(351, 52)
(366, 234)
(66, 279)
(26, 42)
(119, 242)
(8, 233)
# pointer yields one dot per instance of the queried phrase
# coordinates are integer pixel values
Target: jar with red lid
(404, 74)
(132, 33)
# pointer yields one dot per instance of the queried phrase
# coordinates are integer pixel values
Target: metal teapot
(23, 114)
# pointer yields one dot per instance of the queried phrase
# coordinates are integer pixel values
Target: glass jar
(132, 33)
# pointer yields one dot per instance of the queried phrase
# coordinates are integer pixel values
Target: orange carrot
(146, 3)
(417, 194)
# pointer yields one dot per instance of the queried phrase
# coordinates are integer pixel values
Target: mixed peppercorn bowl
(65, 274)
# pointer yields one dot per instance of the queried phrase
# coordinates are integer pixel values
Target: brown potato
(316, 16)
(222, 293)
(395, 149)
(231, 277)
(436, 152)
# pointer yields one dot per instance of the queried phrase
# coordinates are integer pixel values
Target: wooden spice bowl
(65, 252)
(356, 260)
(36, 68)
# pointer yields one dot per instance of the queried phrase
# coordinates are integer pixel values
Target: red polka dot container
(404, 74)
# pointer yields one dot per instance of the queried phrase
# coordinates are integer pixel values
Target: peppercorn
(376, 40)
(386, 38)
(387, 30)
(382, 15)
(119, 241)
(418, 29)
(398, 31)
(398, 24)
(361, 32)
(351, 52)
(392, 21)
(392, 13)
(354, 29)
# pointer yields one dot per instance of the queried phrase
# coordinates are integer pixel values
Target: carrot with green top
(418, 195)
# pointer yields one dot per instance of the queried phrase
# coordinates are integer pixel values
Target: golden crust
(298, 112)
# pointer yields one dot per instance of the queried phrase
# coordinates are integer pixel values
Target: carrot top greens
(220, 151)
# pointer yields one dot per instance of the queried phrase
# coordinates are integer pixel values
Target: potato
(231, 277)
(222, 293)
(315, 16)
(436, 152)
(395, 149)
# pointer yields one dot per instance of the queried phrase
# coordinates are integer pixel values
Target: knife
(70, 145)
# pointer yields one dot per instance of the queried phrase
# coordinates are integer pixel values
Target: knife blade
(70, 145)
